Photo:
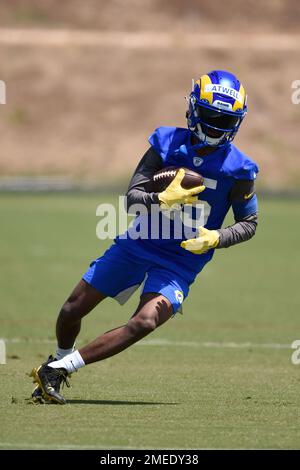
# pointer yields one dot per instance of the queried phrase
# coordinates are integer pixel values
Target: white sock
(60, 353)
(71, 362)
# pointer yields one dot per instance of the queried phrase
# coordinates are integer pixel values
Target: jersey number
(196, 215)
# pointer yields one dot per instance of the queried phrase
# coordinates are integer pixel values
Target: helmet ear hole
(187, 113)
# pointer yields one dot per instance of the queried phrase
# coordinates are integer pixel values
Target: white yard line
(167, 342)
(25, 445)
(30, 340)
(150, 40)
(213, 344)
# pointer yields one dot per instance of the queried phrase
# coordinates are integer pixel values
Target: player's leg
(116, 274)
(163, 294)
(82, 300)
(153, 310)
(108, 275)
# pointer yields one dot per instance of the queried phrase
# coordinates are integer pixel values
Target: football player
(164, 267)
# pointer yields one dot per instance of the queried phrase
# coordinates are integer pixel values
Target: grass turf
(173, 390)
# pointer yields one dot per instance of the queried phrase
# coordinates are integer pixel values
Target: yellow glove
(206, 240)
(176, 194)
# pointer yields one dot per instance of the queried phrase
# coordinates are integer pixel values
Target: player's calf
(82, 300)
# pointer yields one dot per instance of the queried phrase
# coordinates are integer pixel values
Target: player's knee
(141, 325)
(69, 312)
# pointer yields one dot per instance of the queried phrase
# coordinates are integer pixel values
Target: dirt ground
(87, 111)
(158, 15)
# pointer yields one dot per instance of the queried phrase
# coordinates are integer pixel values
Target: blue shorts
(118, 274)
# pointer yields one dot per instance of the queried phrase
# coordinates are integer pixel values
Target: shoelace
(65, 381)
(56, 377)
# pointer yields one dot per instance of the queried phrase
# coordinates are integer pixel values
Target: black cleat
(49, 381)
(37, 393)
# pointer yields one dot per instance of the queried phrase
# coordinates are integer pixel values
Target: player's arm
(244, 205)
(137, 191)
(138, 188)
(245, 209)
(242, 231)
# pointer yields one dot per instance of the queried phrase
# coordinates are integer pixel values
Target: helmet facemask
(212, 125)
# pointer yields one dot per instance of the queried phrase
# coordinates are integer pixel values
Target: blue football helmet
(217, 106)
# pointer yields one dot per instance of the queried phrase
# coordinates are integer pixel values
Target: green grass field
(220, 376)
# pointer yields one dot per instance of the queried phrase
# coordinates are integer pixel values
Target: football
(161, 180)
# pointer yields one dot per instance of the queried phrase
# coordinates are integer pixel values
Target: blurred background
(88, 81)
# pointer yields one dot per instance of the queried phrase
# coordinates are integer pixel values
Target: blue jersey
(220, 170)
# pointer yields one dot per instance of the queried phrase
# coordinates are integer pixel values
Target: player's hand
(206, 240)
(176, 194)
